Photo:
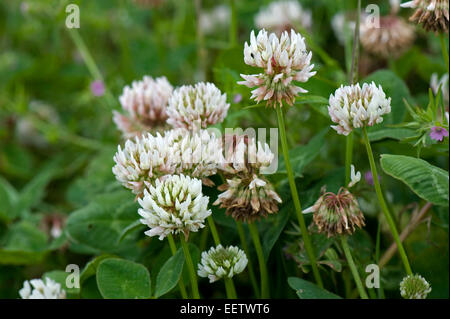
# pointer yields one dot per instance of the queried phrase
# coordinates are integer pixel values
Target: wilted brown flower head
(248, 195)
(338, 213)
(391, 38)
(432, 14)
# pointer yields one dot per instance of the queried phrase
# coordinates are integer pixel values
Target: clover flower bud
(220, 262)
(414, 287)
(145, 104)
(144, 159)
(173, 205)
(284, 60)
(337, 214)
(196, 107)
(42, 290)
(355, 107)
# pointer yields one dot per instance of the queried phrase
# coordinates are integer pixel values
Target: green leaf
(100, 224)
(308, 290)
(134, 226)
(34, 191)
(427, 181)
(8, 200)
(392, 133)
(311, 99)
(123, 279)
(24, 245)
(302, 155)
(275, 229)
(170, 274)
(91, 267)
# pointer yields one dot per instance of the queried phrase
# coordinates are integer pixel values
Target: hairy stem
(383, 205)
(354, 270)
(173, 249)
(244, 245)
(295, 198)
(262, 263)
(190, 266)
(229, 287)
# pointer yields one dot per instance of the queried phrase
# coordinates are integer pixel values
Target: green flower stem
(201, 51)
(444, 51)
(262, 263)
(383, 205)
(90, 63)
(214, 232)
(229, 287)
(173, 248)
(244, 245)
(348, 157)
(216, 238)
(233, 24)
(295, 198)
(354, 270)
(190, 266)
(353, 78)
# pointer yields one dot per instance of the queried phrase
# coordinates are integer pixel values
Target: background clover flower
(195, 107)
(283, 60)
(355, 107)
(216, 19)
(220, 262)
(438, 133)
(281, 16)
(247, 195)
(391, 38)
(97, 88)
(414, 287)
(40, 289)
(173, 205)
(143, 159)
(145, 104)
(337, 214)
(432, 14)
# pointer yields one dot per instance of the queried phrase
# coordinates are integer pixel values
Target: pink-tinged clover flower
(97, 88)
(438, 133)
(283, 61)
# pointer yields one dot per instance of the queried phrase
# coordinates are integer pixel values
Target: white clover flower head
(196, 107)
(173, 205)
(282, 16)
(144, 159)
(215, 20)
(392, 37)
(414, 287)
(245, 154)
(220, 262)
(354, 177)
(283, 60)
(355, 107)
(42, 290)
(145, 104)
